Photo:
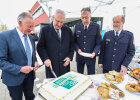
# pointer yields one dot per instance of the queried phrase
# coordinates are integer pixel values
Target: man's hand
(100, 65)
(48, 63)
(26, 69)
(67, 61)
(123, 69)
(93, 55)
(79, 51)
(35, 65)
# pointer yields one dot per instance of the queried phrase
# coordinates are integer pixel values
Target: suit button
(113, 61)
(113, 55)
(84, 42)
(115, 42)
(114, 49)
(84, 36)
(84, 48)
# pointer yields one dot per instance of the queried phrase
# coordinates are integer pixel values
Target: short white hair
(59, 11)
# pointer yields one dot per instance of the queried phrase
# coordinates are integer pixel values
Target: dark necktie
(85, 28)
(117, 35)
(58, 33)
(28, 51)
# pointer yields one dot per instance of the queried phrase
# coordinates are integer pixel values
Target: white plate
(138, 93)
(86, 54)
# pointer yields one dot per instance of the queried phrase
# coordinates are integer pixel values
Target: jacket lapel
(62, 33)
(121, 35)
(18, 40)
(54, 32)
(113, 35)
(89, 27)
(82, 28)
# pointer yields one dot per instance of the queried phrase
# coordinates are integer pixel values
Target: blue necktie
(28, 51)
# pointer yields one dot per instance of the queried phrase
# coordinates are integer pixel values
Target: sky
(10, 9)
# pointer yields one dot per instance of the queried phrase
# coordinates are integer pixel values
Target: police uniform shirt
(86, 26)
(118, 32)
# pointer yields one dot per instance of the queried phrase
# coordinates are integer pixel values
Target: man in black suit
(56, 45)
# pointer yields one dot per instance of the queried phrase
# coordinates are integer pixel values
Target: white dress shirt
(22, 40)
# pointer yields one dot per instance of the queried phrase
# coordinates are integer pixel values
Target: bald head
(120, 17)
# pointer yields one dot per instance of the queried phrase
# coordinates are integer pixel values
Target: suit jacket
(117, 51)
(50, 47)
(13, 57)
(89, 41)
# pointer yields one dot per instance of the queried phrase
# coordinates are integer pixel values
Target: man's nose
(59, 24)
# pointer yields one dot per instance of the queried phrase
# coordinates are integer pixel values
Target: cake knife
(52, 71)
(38, 66)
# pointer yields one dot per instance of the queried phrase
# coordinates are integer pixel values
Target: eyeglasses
(85, 17)
(61, 22)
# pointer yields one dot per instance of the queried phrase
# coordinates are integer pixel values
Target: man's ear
(52, 17)
(20, 23)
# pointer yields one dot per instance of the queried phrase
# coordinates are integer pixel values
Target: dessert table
(92, 94)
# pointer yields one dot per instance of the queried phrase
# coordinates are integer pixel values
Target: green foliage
(3, 28)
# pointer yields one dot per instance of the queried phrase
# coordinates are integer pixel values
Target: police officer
(117, 48)
(87, 40)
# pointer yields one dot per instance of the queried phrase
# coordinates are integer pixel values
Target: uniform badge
(133, 42)
(100, 33)
(107, 41)
(78, 31)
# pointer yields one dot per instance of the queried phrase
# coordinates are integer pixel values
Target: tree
(3, 28)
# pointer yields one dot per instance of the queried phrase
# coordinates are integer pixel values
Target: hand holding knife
(38, 66)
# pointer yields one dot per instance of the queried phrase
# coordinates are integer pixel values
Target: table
(92, 93)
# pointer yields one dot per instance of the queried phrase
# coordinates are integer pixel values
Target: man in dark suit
(17, 56)
(88, 39)
(56, 45)
(117, 48)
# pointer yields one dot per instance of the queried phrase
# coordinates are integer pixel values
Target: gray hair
(59, 11)
(87, 9)
(122, 18)
(24, 15)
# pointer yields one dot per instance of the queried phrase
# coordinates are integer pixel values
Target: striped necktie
(28, 51)
(58, 33)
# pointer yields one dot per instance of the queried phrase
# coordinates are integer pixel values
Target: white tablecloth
(92, 93)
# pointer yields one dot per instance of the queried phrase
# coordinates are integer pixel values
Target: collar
(118, 32)
(87, 26)
(56, 29)
(19, 32)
